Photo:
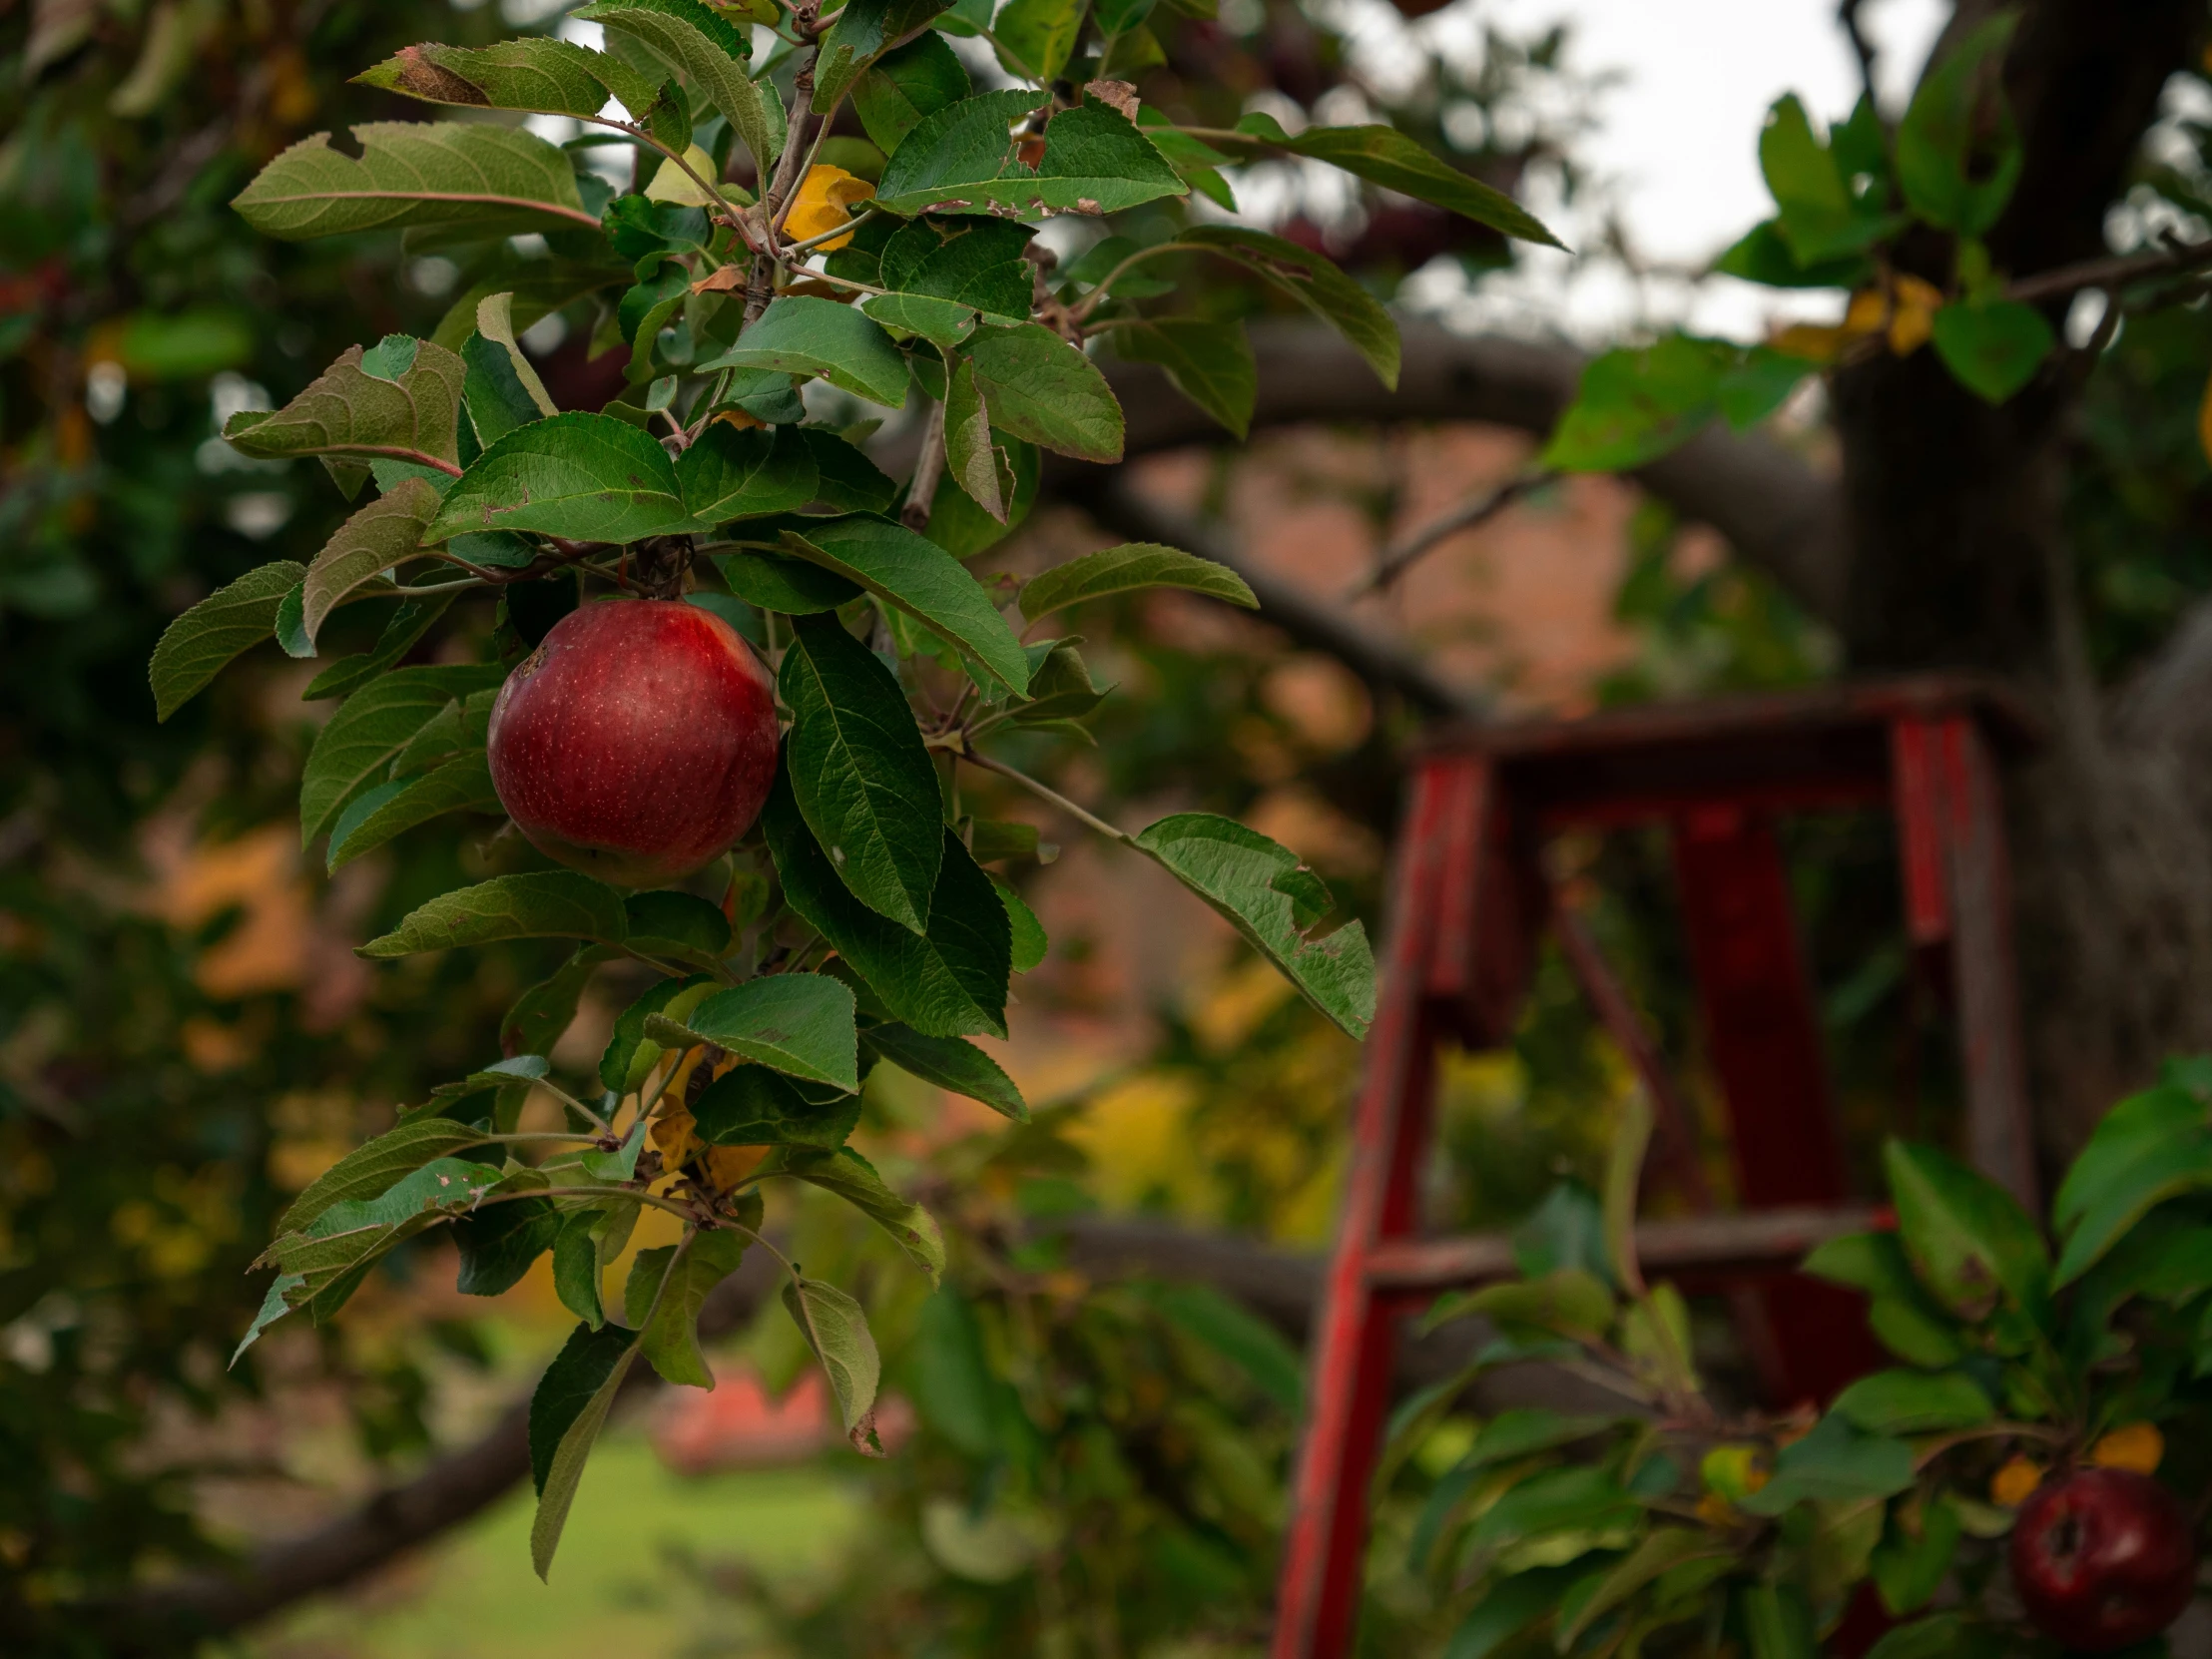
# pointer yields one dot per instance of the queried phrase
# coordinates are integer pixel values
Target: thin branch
(929, 468)
(2110, 273)
(1847, 14)
(1470, 514)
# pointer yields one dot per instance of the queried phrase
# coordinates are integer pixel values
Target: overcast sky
(1678, 135)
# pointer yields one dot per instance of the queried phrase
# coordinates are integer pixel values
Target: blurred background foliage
(186, 1038)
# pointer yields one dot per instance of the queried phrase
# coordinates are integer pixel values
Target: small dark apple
(2104, 1558)
(638, 741)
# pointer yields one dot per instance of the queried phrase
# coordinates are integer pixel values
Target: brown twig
(1470, 514)
(929, 468)
(2111, 272)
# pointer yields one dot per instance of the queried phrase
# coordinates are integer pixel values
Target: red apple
(2104, 1558)
(637, 742)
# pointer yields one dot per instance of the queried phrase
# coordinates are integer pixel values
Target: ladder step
(1754, 1242)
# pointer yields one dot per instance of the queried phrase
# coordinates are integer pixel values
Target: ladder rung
(1759, 1240)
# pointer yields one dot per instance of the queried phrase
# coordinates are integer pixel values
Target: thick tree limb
(1770, 504)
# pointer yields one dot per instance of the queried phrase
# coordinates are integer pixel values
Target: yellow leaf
(1914, 317)
(673, 184)
(2012, 1484)
(1812, 340)
(2133, 1445)
(825, 201)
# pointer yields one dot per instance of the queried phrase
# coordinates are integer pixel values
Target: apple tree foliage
(1682, 1523)
(856, 925)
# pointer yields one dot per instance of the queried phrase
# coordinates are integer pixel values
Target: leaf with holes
(963, 158)
(204, 641)
(400, 402)
(451, 176)
(548, 76)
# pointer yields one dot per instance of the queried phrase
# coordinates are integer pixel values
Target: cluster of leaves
(1854, 208)
(858, 923)
(1093, 1469)
(1680, 1527)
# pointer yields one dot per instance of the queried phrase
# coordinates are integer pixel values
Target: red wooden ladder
(1468, 903)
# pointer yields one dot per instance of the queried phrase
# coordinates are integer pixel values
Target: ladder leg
(1319, 1598)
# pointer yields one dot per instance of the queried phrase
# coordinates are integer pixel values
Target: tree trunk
(1957, 558)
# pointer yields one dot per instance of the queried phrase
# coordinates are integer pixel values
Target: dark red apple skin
(637, 743)
(2104, 1558)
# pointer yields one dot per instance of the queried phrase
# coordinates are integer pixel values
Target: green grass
(614, 1593)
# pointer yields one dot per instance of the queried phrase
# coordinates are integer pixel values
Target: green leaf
(590, 477)
(952, 983)
(333, 1251)
(495, 396)
(1029, 941)
(1569, 1301)
(1764, 255)
(1387, 157)
(566, 1465)
(960, 159)
(589, 1357)
(970, 261)
(1510, 1606)
(1635, 404)
(792, 586)
(544, 1012)
(577, 1270)
(863, 28)
(1556, 1501)
(903, 85)
(553, 903)
(1910, 1331)
(950, 1063)
(455, 175)
(1240, 1337)
(2170, 1167)
(1666, 1548)
(1965, 1234)
(200, 644)
(459, 728)
(1209, 362)
(1261, 888)
(862, 780)
(753, 1106)
(733, 473)
(1316, 282)
(496, 324)
(1908, 1570)
(628, 1056)
(708, 48)
(407, 624)
(680, 926)
(1036, 38)
(348, 411)
(370, 1170)
(1777, 1622)
(1955, 166)
(542, 74)
(2142, 1127)
(1041, 389)
(1943, 1636)
(853, 1179)
(1993, 350)
(964, 529)
(1914, 1403)
(461, 784)
(836, 1330)
(942, 323)
(924, 580)
(805, 336)
(667, 1313)
(499, 1243)
(371, 728)
(799, 1023)
(973, 461)
(850, 482)
(1821, 219)
(1126, 569)
(1835, 1463)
